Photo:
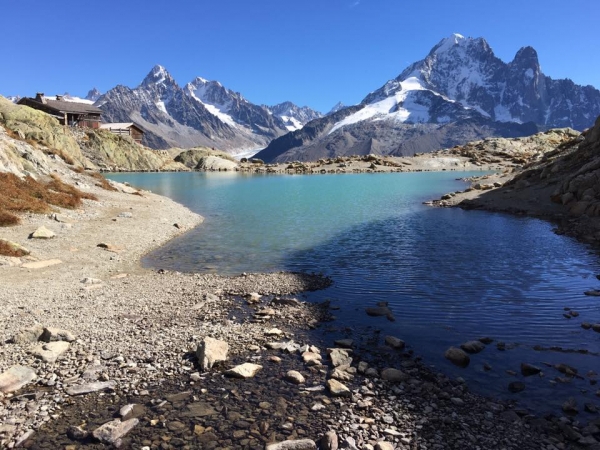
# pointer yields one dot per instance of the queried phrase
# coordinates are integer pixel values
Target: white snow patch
(397, 106)
(161, 105)
(502, 114)
(529, 74)
(449, 42)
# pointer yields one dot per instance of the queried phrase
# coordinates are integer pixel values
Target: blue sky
(312, 52)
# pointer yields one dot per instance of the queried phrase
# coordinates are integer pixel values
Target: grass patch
(28, 195)
(8, 250)
(102, 182)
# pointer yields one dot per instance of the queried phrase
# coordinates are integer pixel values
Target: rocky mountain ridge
(459, 92)
(202, 113)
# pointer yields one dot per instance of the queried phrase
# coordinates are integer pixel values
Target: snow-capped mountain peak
(448, 43)
(93, 94)
(158, 76)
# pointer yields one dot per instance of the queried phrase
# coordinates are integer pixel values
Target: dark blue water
(449, 275)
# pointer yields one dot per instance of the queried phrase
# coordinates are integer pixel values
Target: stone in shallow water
(346, 343)
(457, 357)
(473, 346)
(394, 342)
(15, 378)
(394, 375)
(516, 387)
(529, 369)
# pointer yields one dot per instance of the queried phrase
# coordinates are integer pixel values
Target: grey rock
(528, 369)
(516, 387)
(300, 444)
(394, 375)
(339, 357)
(457, 357)
(473, 346)
(50, 352)
(384, 445)
(211, 351)
(338, 389)
(56, 334)
(246, 370)
(346, 343)
(42, 233)
(199, 409)
(87, 388)
(295, 377)
(29, 335)
(15, 378)
(111, 432)
(394, 342)
(329, 441)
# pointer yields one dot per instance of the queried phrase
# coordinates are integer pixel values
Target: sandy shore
(137, 331)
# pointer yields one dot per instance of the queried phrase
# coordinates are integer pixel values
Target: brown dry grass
(29, 195)
(7, 250)
(102, 182)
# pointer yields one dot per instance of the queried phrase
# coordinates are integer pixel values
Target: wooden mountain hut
(125, 129)
(72, 113)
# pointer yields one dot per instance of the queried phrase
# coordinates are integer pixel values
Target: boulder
(457, 357)
(112, 432)
(17, 249)
(528, 369)
(42, 233)
(51, 351)
(311, 359)
(384, 445)
(329, 441)
(246, 370)
(56, 334)
(29, 335)
(15, 378)
(394, 342)
(339, 357)
(473, 346)
(345, 343)
(295, 377)
(394, 375)
(516, 387)
(211, 351)
(338, 389)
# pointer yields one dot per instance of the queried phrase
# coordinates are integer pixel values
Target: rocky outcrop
(206, 159)
(120, 153)
(561, 185)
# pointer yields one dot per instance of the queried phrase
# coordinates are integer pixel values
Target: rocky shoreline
(107, 355)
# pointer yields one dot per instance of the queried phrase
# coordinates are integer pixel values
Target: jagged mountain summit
(294, 117)
(201, 113)
(93, 95)
(336, 108)
(461, 91)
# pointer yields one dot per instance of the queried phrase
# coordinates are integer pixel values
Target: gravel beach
(97, 352)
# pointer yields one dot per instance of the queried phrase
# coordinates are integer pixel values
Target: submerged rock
(473, 346)
(457, 357)
(528, 369)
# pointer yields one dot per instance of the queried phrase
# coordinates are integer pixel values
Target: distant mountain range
(200, 113)
(461, 91)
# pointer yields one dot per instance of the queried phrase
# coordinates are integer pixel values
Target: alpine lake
(448, 275)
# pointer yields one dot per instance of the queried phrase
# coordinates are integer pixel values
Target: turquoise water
(449, 275)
